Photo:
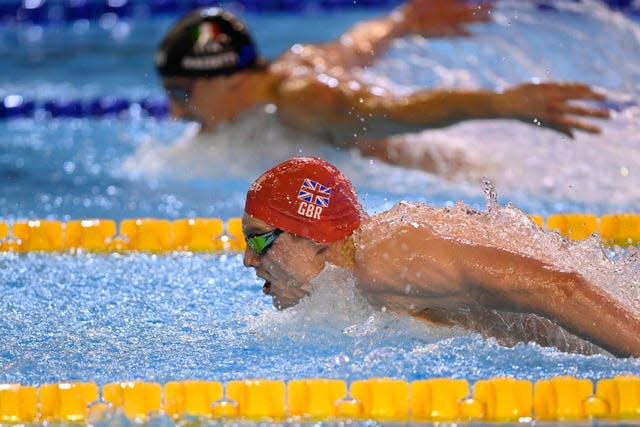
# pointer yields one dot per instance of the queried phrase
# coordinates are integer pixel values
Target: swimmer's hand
(549, 105)
(442, 18)
(441, 160)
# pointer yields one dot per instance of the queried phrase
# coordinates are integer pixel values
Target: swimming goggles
(260, 243)
(179, 92)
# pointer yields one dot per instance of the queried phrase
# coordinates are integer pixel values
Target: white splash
(524, 44)
(245, 147)
(336, 307)
(257, 141)
(521, 44)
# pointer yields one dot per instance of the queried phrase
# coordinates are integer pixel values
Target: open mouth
(266, 288)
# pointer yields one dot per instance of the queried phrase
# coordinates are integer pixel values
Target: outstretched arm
(439, 159)
(363, 112)
(546, 105)
(542, 105)
(512, 282)
(360, 45)
(424, 271)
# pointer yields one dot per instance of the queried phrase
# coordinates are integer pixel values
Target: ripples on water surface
(107, 318)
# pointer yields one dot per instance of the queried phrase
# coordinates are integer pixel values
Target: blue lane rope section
(42, 12)
(17, 106)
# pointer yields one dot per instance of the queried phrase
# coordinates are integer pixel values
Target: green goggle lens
(260, 243)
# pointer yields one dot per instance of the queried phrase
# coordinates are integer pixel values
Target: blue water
(106, 318)
(110, 318)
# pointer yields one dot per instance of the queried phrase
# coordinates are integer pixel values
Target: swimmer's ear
(320, 248)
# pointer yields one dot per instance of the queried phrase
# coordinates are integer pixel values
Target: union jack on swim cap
(308, 197)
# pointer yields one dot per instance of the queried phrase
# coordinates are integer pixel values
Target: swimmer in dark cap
(206, 43)
(212, 72)
(493, 272)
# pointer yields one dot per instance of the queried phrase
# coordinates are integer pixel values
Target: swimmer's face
(180, 91)
(210, 101)
(287, 267)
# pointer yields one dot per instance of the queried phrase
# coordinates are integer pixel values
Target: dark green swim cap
(206, 42)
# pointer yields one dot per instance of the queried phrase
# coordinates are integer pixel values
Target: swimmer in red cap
(212, 72)
(455, 266)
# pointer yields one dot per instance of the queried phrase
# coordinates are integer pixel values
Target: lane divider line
(497, 400)
(217, 235)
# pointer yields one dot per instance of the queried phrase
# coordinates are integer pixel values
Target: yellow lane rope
(215, 234)
(501, 399)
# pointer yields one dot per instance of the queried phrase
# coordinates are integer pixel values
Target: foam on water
(520, 44)
(245, 147)
(257, 141)
(352, 339)
(106, 318)
(582, 41)
(335, 307)
(596, 170)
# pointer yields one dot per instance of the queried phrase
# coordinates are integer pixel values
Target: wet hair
(207, 42)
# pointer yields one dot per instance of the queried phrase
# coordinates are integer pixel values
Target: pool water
(105, 318)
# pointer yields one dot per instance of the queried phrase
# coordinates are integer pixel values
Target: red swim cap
(308, 197)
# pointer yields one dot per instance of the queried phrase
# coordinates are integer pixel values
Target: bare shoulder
(313, 100)
(403, 263)
(302, 54)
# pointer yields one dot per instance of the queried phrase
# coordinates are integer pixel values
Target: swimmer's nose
(250, 259)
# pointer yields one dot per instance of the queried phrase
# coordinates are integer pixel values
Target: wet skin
(464, 277)
(287, 267)
(315, 90)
